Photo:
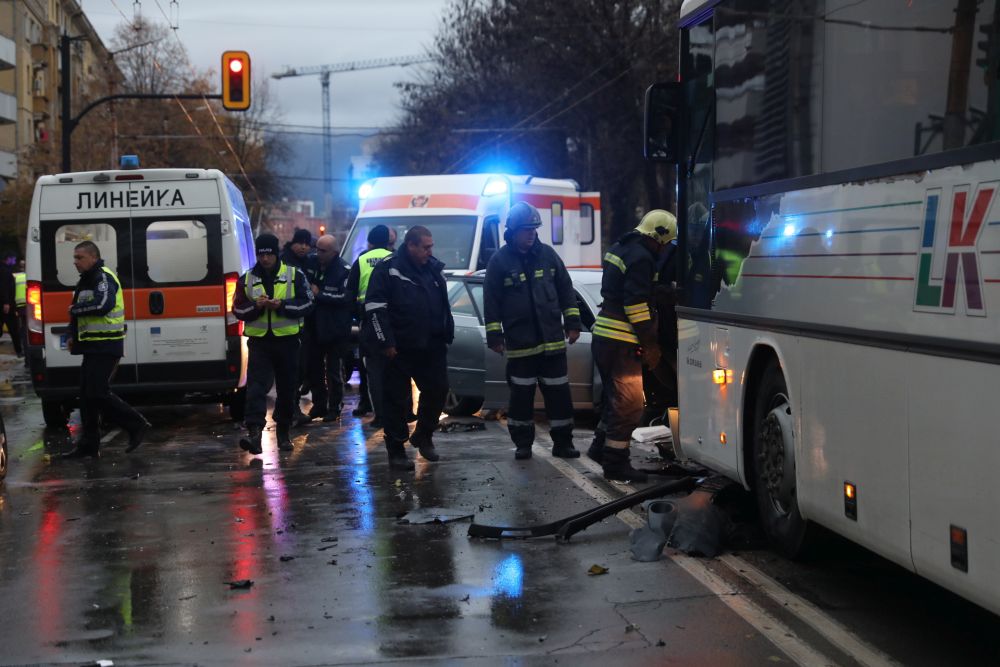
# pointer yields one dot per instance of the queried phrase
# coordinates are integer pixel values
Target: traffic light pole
(69, 123)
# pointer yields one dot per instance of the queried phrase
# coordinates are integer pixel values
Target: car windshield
(453, 236)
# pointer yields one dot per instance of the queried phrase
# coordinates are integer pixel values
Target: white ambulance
(466, 214)
(178, 239)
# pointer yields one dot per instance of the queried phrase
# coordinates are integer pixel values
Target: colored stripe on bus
(178, 302)
(387, 202)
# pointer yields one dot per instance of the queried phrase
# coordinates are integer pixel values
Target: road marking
(767, 625)
(832, 630)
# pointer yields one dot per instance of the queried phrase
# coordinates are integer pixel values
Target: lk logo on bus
(965, 216)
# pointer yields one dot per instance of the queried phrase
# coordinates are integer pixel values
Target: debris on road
(433, 515)
(461, 426)
(596, 570)
(239, 584)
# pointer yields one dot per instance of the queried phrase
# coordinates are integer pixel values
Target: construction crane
(324, 72)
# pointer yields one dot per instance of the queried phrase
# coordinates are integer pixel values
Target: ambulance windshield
(453, 236)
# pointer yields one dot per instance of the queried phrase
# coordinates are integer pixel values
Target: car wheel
(462, 406)
(55, 414)
(774, 466)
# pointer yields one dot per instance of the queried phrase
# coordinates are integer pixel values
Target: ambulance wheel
(55, 414)
(774, 466)
(462, 406)
(238, 404)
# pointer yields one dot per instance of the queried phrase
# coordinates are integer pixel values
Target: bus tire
(774, 479)
(238, 404)
(55, 414)
(462, 406)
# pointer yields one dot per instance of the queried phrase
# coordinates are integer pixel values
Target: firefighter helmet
(659, 225)
(523, 216)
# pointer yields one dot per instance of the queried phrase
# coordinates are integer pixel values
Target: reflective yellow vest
(284, 288)
(19, 289)
(366, 264)
(111, 325)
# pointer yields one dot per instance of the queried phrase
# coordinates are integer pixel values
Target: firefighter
(97, 328)
(272, 298)
(531, 312)
(381, 241)
(408, 321)
(330, 324)
(625, 338)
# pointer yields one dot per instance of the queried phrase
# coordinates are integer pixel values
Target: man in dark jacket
(97, 328)
(298, 253)
(531, 312)
(271, 298)
(330, 330)
(408, 319)
(625, 339)
(9, 305)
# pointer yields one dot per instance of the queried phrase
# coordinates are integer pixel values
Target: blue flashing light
(129, 162)
(496, 186)
(829, 233)
(365, 190)
(789, 230)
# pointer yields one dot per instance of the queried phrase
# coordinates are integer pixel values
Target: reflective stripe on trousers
(549, 371)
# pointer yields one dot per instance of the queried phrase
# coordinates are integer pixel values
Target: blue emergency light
(129, 162)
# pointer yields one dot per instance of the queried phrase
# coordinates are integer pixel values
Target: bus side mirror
(661, 122)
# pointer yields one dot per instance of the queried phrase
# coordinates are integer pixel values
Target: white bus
(838, 167)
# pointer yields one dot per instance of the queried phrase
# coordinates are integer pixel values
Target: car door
(495, 392)
(465, 354)
(580, 360)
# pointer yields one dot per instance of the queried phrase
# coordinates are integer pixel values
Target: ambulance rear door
(180, 318)
(68, 215)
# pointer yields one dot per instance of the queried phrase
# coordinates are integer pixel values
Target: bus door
(180, 293)
(111, 231)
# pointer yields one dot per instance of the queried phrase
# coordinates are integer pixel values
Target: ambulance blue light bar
(496, 186)
(365, 190)
(129, 162)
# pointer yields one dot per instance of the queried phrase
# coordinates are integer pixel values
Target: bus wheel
(54, 413)
(774, 465)
(238, 404)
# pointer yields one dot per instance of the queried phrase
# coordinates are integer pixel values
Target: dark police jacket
(407, 306)
(331, 318)
(97, 282)
(529, 301)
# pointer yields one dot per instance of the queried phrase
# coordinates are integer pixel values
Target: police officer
(531, 312)
(298, 253)
(625, 338)
(330, 334)
(408, 320)
(97, 328)
(381, 241)
(272, 298)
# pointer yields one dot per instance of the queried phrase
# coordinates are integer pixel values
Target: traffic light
(236, 80)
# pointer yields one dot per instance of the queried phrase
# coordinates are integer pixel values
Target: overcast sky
(278, 33)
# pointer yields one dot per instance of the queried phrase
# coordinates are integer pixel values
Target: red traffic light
(236, 80)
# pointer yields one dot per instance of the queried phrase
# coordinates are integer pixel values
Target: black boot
(596, 450)
(136, 435)
(522, 452)
(284, 442)
(399, 461)
(565, 450)
(363, 409)
(251, 443)
(81, 450)
(617, 466)
(425, 445)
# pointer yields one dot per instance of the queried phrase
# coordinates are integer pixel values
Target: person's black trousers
(375, 364)
(272, 360)
(97, 400)
(14, 329)
(428, 368)
(550, 372)
(621, 375)
(325, 377)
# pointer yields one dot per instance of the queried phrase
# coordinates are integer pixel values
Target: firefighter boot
(596, 450)
(425, 445)
(251, 443)
(284, 442)
(564, 449)
(617, 466)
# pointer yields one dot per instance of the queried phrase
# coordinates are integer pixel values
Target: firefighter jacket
(529, 301)
(331, 318)
(627, 289)
(407, 306)
(284, 282)
(97, 314)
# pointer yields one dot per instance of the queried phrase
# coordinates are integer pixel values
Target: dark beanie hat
(267, 243)
(302, 236)
(379, 236)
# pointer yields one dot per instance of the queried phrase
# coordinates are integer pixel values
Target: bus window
(586, 224)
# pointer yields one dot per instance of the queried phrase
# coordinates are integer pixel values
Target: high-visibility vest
(19, 289)
(111, 325)
(284, 288)
(366, 264)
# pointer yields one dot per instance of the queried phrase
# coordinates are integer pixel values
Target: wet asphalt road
(126, 558)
